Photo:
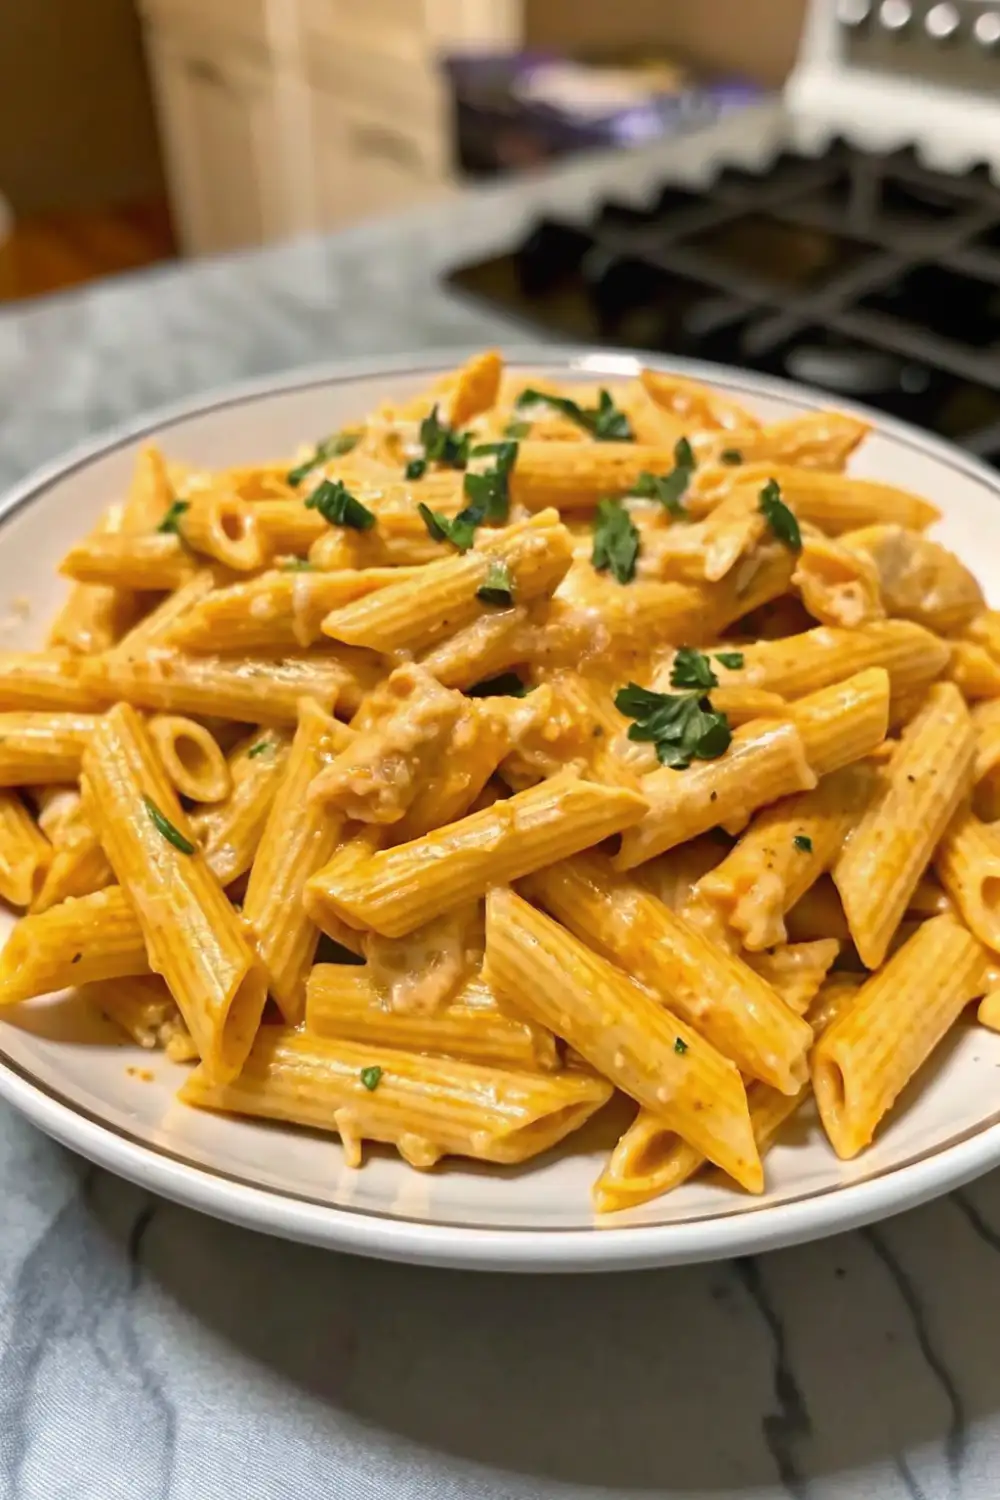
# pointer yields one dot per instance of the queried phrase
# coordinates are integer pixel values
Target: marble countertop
(148, 1353)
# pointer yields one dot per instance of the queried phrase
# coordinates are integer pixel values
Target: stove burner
(869, 277)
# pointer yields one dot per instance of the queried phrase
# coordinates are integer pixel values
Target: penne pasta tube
(986, 773)
(230, 832)
(844, 722)
(150, 492)
(784, 850)
(892, 845)
(25, 852)
(459, 862)
(95, 616)
(698, 405)
(819, 440)
(485, 648)
(967, 862)
(864, 1060)
(974, 669)
(81, 941)
(732, 530)
(838, 585)
(476, 387)
(286, 527)
(712, 990)
(575, 476)
(532, 556)
(48, 680)
(424, 1106)
(251, 690)
(78, 865)
(39, 749)
(224, 527)
(835, 502)
(279, 609)
(299, 838)
(341, 1001)
(799, 664)
(193, 936)
(766, 760)
(796, 971)
(650, 1160)
(621, 1031)
(141, 1005)
(191, 758)
(155, 628)
(154, 562)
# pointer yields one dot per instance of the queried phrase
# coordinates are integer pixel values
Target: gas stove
(863, 257)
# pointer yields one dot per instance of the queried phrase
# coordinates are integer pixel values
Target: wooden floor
(47, 252)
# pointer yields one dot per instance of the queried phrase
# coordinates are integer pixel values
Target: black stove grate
(870, 277)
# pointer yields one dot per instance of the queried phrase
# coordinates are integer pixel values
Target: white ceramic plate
(70, 1078)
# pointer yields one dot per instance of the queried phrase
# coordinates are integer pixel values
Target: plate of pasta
(538, 811)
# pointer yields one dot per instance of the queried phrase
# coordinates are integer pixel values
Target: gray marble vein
(147, 1353)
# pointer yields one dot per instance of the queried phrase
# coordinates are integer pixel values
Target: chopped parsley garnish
(504, 685)
(680, 1045)
(460, 532)
(692, 669)
(517, 429)
(371, 1077)
(168, 526)
(777, 515)
(603, 421)
(166, 828)
(682, 726)
(732, 659)
(804, 842)
(670, 488)
(730, 456)
(616, 541)
(297, 565)
(442, 444)
(260, 748)
(337, 505)
(497, 587)
(489, 491)
(416, 468)
(331, 447)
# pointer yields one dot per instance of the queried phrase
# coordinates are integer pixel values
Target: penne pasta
(819, 658)
(711, 989)
(130, 562)
(891, 846)
(224, 527)
(230, 832)
(341, 1001)
(141, 1006)
(53, 680)
(191, 758)
(424, 1106)
(622, 1032)
(40, 749)
(459, 862)
(25, 852)
(967, 862)
(193, 936)
(299, 838)
(864, 1060)
(85, 940)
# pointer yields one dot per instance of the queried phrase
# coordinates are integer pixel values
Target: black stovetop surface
(870, 277)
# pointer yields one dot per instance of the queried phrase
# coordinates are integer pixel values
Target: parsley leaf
(504, 685)
(489, 491)
(297, 565)
(166, 828)
(603, 421)
(331, 447)
(517, 429)
(416, 468)
(460, 532)
(804, 842)
(732, 659)
(692, 669)
(682, 726)
(777, 515)
(371, 1078)
(670, 488)
(730, 456)
(497, 587)
(337, 505)
(168, 526)
(616, 541)
(680, 1045)
(259, 749)
(442, 444)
